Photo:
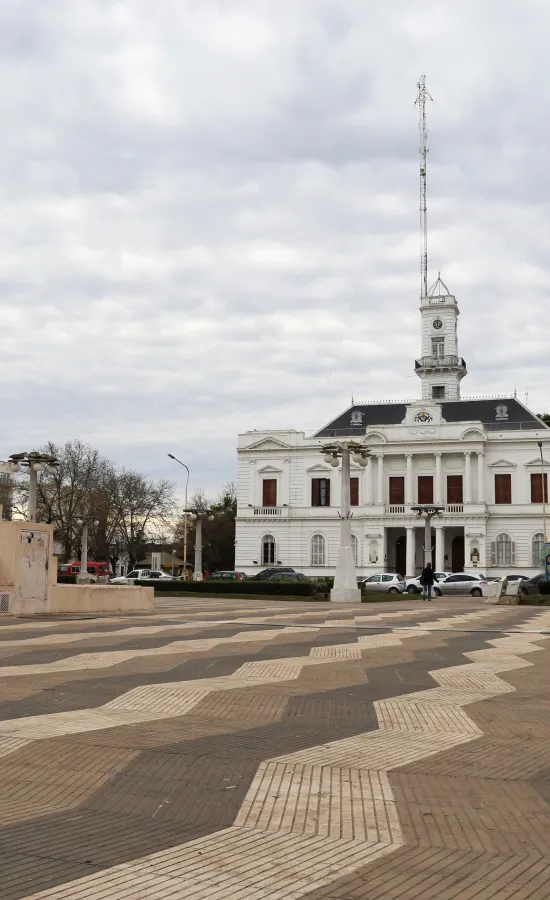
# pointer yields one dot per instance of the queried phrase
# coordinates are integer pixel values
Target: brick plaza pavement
(251, 750)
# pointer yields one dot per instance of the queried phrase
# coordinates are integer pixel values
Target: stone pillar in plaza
(409, 481)
(467, 477)
(480, 476)
(410, 561)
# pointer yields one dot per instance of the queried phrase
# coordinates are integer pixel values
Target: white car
(386, 583)
(461, 583)
(414, 586)
(140, 575)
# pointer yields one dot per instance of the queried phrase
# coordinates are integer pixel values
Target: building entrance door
(401, 555)
(457, 553)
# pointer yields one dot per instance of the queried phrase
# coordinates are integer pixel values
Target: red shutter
(503, 488)
(454, 489)
(354, 492)
(269, 492)
(315, 491)
(397, 490)
(425, 489)
(536, 488)
(327, 494)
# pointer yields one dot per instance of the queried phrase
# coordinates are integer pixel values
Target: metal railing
(396, 509)
(454, 508)
(429, 362)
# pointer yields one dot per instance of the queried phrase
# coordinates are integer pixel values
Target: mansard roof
(515, 416)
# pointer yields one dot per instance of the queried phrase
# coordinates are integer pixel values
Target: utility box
(28, 568)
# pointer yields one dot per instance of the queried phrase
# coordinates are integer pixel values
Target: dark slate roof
(452, 411)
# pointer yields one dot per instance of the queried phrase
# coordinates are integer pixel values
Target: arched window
(355, 548)
(505, 547)
(268, 550)
(317, 550)
(538, 544)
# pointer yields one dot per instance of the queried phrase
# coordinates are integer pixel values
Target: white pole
(427, 540)
(345, 588)
(84, 550)
(197, 576)
(33, 485)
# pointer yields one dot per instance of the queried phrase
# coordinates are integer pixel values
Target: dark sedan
(532, 585)
(269, 573)
(287, 576)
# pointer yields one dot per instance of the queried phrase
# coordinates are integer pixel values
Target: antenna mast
(422, 96)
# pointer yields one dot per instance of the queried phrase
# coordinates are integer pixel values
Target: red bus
(99, 569)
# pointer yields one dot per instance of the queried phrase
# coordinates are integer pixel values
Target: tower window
(438, 392)
(438, 347)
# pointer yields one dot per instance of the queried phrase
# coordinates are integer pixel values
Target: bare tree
(143, 509)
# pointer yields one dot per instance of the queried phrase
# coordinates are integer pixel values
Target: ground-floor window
(355, 548)
(317, 550)
(538, 544)
(504, 550)
(268, 550)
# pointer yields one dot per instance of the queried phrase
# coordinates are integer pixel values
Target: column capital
(409, 454)
(439, 454)
(467, 453)
(480, 453)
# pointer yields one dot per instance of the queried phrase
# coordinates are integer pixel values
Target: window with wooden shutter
(354, 492)
(536, 488)
(425, 489)
(320, 492)
(454, 489)
(506, 550)
(397, 490)
(269, 492)
(503, 488)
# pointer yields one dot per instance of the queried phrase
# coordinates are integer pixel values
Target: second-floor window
(438, 392)
(438, 347)
(320, 492)
(269, 492)
(425, 489)
(454, 489)
(397, 490)
(536, 488)
(503, 488)
(354, 492)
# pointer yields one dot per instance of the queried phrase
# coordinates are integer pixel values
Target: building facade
(485, 460)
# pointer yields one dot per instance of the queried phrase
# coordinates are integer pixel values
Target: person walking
(427, 581)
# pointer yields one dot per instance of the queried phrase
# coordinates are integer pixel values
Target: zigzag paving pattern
(261, 750)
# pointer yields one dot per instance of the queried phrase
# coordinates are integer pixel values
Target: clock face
(437, 324)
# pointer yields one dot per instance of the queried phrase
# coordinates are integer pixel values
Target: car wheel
(393, 591)
(476, 592)
(412, 590)
(437, 592)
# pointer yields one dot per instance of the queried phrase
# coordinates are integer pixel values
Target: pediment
(269, 470)
(536, 463)
(374, 437)
(319, 467)
(269, 444)
(472, 434)
(502, 464)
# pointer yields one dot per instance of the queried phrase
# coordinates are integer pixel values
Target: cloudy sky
(209, 216)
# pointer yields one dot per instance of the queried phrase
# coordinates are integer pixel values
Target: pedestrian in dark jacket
(427, 580)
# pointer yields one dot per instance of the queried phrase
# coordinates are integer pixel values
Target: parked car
(287, 576)
(386, 583)
(532, 585)
(510, 578)
(225, 576)
(461, 583)
(140, 575)
(99, 569)
(413, 584)
(268, 573)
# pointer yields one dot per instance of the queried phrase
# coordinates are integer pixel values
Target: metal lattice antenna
(422, 96)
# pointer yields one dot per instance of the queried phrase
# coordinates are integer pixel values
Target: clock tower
(440, 367)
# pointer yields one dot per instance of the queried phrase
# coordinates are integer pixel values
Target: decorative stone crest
(423, 417)
(356, 417)
(501, 413)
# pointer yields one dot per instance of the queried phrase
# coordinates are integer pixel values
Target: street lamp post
(34, 461)
(173, 560)
(429, 510)
(198, 516)
(84, 522)
(185, 519)
(543, 488)
(345, 588)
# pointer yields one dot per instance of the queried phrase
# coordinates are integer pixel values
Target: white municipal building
(479, 458)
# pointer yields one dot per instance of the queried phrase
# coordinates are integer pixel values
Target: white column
(381, 496)
(345, 588)
(438, 498)
(409, 480)
(409, 565)
(468, 478)
(480, 474)
(439, 548)
(370, 481)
